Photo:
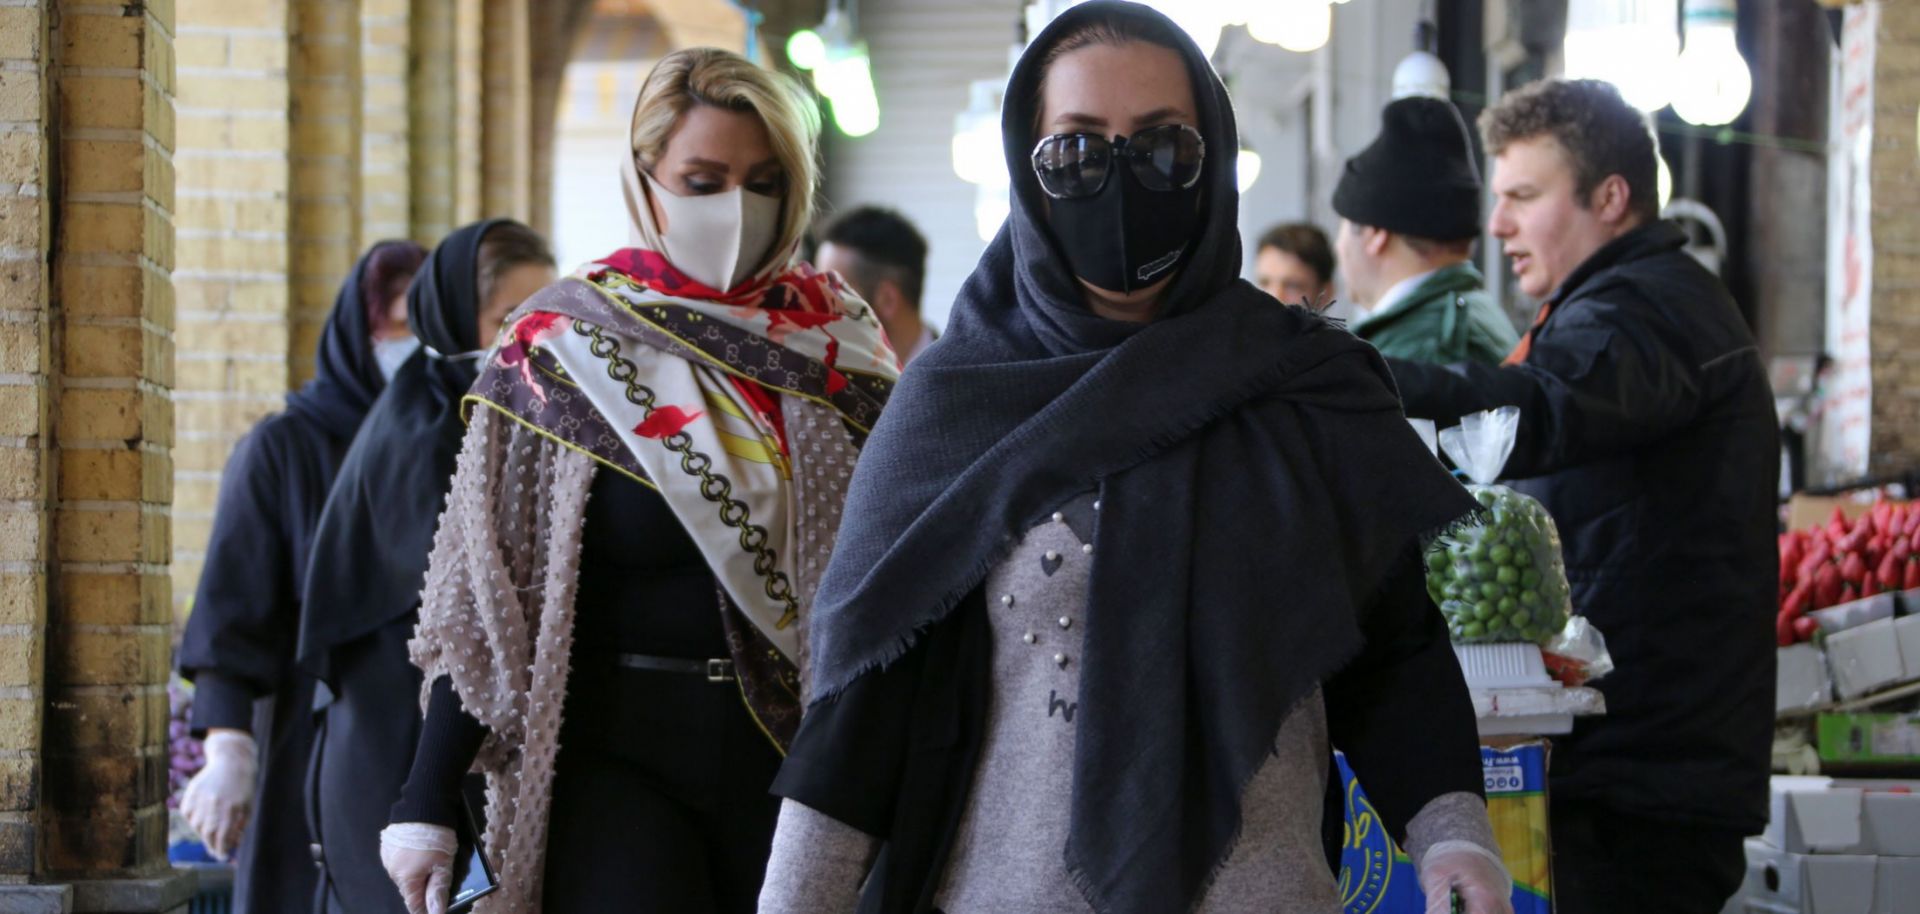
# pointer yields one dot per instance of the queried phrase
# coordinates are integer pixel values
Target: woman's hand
(1474, 873)
(219, 800)
(419, 860)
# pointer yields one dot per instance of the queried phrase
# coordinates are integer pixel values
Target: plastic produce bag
(1498, 576)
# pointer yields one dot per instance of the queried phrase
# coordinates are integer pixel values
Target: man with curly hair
(1647, 430)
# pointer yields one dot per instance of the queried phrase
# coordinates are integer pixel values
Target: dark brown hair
(390, 266)
(885, 246)
(1601, 134)
(1103, 30)
(1305, 241)
(506, 246)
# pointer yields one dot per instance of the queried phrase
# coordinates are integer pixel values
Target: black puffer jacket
(1648, 431)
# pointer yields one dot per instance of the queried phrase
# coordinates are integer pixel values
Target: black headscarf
(346, 377)
(1259, 485)
(370, 551)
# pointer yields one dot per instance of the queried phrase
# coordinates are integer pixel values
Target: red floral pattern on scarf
(797, 300)
(527, 333)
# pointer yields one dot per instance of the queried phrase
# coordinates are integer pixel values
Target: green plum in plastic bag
(1498, 576)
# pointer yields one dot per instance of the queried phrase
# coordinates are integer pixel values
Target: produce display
(1502, 579)
(1845, 560)
(1499, 576)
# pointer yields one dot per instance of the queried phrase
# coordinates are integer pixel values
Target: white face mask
(391, 354)
(719, 240)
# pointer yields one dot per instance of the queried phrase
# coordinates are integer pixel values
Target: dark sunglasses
(1073, 165)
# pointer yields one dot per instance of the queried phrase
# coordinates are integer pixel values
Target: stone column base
(165, 894)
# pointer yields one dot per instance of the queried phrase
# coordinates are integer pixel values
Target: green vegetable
(1499, 576)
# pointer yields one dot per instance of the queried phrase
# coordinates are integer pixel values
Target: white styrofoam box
(1906, 632)
(1791, 883)
(1502, 666)
(1809, 815)
(1801, 682)
(1865, 658)
(1908, 602)
(1896, 885)
(1858, 612)
(1893, 824)
(1855, 614)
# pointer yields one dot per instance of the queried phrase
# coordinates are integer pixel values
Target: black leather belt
(714, 670)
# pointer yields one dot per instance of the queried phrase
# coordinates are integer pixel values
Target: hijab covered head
(1258, 484)
(1051, 301)
(346, 376)
(370, 550)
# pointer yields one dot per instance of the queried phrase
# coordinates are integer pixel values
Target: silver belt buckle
(720, 671)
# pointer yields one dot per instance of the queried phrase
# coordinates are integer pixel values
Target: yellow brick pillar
(468, 152)
(27, 377)
(324, 79)
(232, 276)
(385, 42)
(430, 115)
(506, 114)
(95, 84)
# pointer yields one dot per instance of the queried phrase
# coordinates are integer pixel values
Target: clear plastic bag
(1497, 576)
(1578, 654)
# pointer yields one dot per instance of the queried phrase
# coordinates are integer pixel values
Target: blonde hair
(723, 79)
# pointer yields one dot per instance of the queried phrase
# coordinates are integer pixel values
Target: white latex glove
(219, 800)
(1476, 874)
(419, 860)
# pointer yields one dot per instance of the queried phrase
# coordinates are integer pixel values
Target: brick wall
(232, 275)
(105, 758)
(506, 119)
(384, 181)
(27, 473)
(324, 79)
(1896, 241)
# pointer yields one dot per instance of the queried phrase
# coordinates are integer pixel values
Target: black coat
(239, 641)
(894, 754)
(1648, 431)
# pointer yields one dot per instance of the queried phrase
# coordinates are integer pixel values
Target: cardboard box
(1870, 738)
(1377, 878)
(1907, 602)
(1865, 659)
(1781, 882)
(1906, 632)
(1809, 815)
(1801, 682)
(1896, 885)
(1855, 614)
(1814, 815)
(1804, 511)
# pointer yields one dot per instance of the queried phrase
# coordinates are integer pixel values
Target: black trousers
(1610, 862)
(660, 798)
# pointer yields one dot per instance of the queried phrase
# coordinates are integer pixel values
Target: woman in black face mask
(1131, 552)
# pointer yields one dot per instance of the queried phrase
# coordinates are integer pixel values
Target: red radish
(1912, 579)
(1889, 574)
(1853, 568)
(1783, 632)
(1804, 627)
(1826, 586)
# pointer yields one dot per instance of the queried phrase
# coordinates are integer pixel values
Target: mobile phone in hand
(478, 880)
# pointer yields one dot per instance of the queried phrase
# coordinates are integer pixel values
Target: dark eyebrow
(1158, 115)
(720, 167)
(767, 165)
(1076, 119)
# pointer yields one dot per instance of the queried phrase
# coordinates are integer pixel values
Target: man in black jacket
(1647, 430)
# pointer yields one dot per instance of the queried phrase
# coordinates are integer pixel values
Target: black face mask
(1126, 237)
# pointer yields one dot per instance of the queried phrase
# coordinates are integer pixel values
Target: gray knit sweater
(1008, 857)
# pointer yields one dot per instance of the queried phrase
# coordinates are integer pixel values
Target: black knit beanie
(1417, 177)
